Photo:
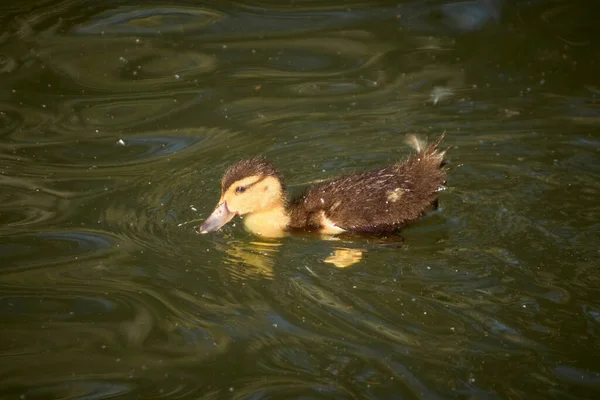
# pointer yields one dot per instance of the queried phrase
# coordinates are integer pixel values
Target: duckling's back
(382, 200)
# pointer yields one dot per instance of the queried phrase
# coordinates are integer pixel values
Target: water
(118, 119)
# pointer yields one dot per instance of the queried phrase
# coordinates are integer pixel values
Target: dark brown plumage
(381, 200)
(257, 166)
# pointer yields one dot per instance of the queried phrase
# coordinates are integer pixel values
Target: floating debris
(511, 113)
(311, 271)
(121, 142)
(439, 93)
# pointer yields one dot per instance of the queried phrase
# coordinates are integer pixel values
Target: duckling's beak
(219, 217)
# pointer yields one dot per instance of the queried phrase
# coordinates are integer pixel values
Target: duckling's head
(249, 186)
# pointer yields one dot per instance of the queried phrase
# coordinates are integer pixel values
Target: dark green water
(117, 120)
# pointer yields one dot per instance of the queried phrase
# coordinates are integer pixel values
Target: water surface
(117, 120)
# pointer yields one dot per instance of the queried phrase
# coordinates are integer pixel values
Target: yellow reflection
(345, 257)
(251, 259)
(256, 259)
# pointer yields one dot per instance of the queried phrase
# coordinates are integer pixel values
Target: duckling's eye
(240, 189)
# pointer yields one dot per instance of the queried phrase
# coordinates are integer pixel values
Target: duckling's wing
(377, 201)
(373, 202)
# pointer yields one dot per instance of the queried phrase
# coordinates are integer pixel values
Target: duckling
(378, 201)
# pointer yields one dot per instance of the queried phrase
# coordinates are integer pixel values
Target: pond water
(117, 121)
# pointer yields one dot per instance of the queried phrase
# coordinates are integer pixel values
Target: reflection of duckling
(343, 258)
(379, 201)
(257, 258)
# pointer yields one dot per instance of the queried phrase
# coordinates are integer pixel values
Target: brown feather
(382, 200)
(256, 166)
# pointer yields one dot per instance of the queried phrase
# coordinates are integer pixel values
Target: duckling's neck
(271, 222)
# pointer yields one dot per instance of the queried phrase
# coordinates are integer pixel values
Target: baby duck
(378, 201)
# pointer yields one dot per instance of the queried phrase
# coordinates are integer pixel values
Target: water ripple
(124, 113)
(108, 152)
(71, 388)
(18, 121)
(124, 65)
(152, 21)
(28, 203)
(47, 248)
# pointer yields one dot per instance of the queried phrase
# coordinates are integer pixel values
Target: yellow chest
(270, 223)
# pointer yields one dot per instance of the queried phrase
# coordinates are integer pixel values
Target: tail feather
(428, 150)
(415, 142)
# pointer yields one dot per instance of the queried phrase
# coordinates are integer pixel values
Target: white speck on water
(177, 76)
(439, 93)
(121, 142)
